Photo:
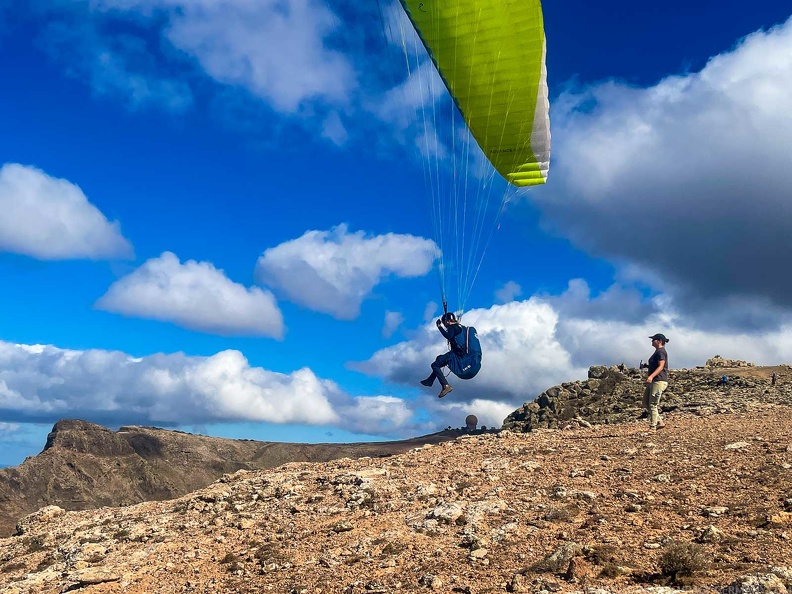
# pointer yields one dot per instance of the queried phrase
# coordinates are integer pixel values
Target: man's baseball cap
(659, 336)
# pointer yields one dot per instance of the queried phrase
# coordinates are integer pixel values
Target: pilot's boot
(446, 390)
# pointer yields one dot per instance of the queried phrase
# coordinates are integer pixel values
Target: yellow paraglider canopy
(491, 56)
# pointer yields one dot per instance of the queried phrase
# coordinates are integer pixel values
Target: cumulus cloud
(279, 52)
(246, 44)
(51, 219)
(393, 319)
(45, 383)
(334, 271)
(194, 295)
(508, 292)
(687, 182)
(533, 344)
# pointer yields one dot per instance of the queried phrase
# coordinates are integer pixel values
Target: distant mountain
(85, 466)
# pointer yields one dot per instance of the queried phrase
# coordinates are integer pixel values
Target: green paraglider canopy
(491, 56)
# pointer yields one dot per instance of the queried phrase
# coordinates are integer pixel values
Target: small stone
(750, 584)
(578, 570)
(93, 575)
(447, 513)
(737, 445)
(431, 581)
(711, 534)
(651, 545)
(519, 584)
(784, 572)
(342, 527)
(780, 519)
(589, 495)
(478, 553)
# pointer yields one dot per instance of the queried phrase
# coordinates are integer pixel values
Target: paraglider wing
(491, 56)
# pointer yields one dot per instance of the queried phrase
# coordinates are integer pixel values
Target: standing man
(656, 381)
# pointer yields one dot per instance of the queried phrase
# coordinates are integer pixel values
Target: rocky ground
(704, 503)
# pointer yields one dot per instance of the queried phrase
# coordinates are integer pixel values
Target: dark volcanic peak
(81, 436)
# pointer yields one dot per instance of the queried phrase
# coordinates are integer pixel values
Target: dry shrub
(610, 570)
(229, 558)
(682, 559)
(603, 553)
(562, 514)
(269, 553)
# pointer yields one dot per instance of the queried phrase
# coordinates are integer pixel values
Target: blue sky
(213, 216)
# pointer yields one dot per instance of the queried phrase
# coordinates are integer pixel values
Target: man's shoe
(445, 391)
(428, 381)
(660, 425)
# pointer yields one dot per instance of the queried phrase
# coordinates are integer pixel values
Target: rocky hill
(705, 503)
(86, 466)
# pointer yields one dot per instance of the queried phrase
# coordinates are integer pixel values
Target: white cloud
(393, 319)
(688, 180)
(273, 49)
(51, 219)
(276, 51)
(334, 271)
(508, 292)
(45, 383)
(429, 311)
(194, 295)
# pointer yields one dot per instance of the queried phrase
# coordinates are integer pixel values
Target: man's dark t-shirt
(654, 362)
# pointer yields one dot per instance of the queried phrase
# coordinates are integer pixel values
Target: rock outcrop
(718, 362)
(613, 395)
